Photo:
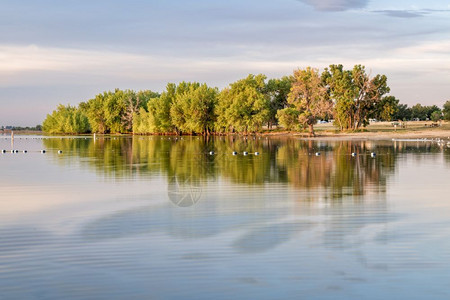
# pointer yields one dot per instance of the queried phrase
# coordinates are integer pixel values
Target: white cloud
(32, 57)
(33, 65)
(336, 5)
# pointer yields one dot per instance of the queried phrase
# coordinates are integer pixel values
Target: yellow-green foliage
(66, 119)
(288, 118)
(243, 107)
(350, 97)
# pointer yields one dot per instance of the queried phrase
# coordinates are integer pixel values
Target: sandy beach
(378, 131)
(421, 134)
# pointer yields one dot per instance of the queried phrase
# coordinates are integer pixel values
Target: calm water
(161, 218)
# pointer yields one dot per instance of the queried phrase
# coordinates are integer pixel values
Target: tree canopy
(446, 111)
(349, 96)
(243, 107)
(355, 94)
(309, 97)
(66, 119)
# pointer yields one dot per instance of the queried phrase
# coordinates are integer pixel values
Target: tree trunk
(311, 130)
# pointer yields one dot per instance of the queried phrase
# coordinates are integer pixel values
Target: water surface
(161, 218)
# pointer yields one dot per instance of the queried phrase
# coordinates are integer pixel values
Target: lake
(164, 218)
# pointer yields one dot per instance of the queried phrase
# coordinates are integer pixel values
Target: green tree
(66, 119)
(114, 108)
(133, 104)
(386, 109)
(114, 112)
(419, 112)
(160, 109)
(156, 118)
(277, 91)
(288, 117)
(308, 96)
(243, 107)
(340, 90)
(436, 116)
(193, 109)
(432, 109)
(143, 122)
(355, 94)
(96, 113)
(446, 111)
(402, 113)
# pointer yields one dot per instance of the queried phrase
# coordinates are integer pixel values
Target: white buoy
(234, 153)
(245, 153)
(256, 153)
(59, 151)
(317, 153)
(3, 151)
(373, 154)
(42, 151)
(25, 151)
(353, 153)
(13, 151)
(211, 152)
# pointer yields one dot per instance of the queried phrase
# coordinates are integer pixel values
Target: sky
(54, 51)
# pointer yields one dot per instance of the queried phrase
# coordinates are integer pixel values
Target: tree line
(349, 97)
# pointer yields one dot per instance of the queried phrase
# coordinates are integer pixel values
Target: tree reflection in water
(188, 166)
(222, 192)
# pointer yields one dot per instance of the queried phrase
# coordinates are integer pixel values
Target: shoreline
(422, 134)
(378, 133)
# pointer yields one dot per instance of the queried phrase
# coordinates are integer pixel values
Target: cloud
(37, 66)
(402, 13)
(336, 5)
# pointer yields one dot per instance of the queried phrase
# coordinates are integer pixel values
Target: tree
(308, 96)
(355, 94)
(277, 91)
(432, 109)
(386, 109)
(288, 117)
(160, 109)
(403, 113)
(446, 111)
(193, 110)
(156, 118)
(114, 112)
(66, 119)
(143, 122)
(419, 112)
(436, 116)
(114, 108)
(339, 85)
(243, 107)
(133, 103)
(96, 114)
